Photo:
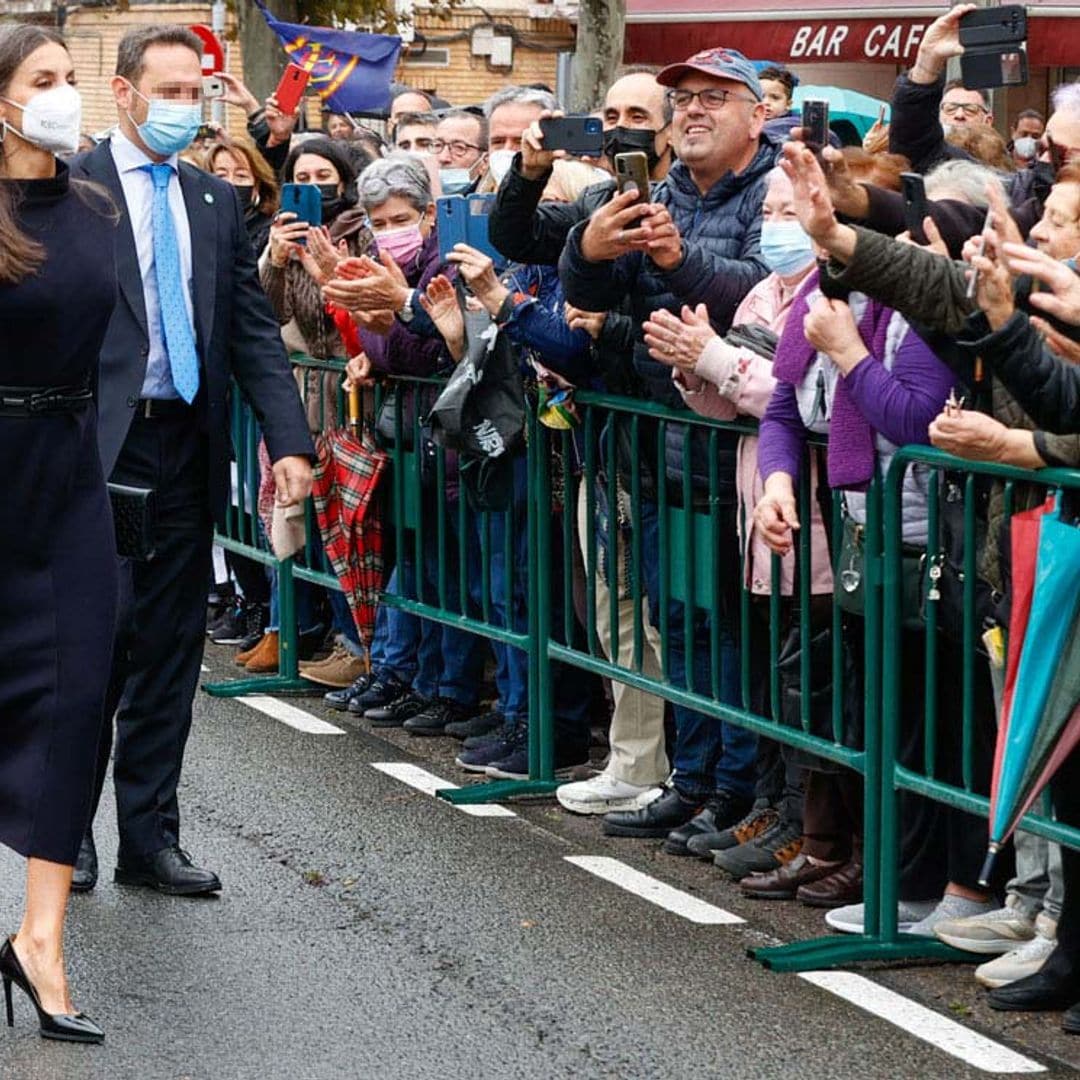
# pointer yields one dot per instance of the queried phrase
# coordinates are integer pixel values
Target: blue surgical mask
(785, 248)
(1025, 147)
(170, 126)
(455, 181)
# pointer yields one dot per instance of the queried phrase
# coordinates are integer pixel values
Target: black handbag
(134, 518)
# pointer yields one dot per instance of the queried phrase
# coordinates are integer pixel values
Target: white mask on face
(499, 162)
(51, 120)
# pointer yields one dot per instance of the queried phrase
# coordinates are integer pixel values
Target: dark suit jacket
(236, 332)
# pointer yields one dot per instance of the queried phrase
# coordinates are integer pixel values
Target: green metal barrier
(615, 463)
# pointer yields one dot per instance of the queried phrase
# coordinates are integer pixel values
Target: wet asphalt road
(366, 930)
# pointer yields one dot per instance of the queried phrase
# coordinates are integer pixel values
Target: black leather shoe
(721, 811)
(659, 818)
(340, 699)
(84, 876)
(170, 871)
(1053, 987)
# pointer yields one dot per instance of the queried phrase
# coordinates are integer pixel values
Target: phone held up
(915, 206)
(815, 124)
(995, 47)
(290, 89)
(632, 174)
(580, 135)
(303, 200)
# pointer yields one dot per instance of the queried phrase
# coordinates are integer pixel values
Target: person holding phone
(58, 288)
(268, 126)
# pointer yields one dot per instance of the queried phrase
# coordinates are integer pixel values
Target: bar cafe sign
(889, 41)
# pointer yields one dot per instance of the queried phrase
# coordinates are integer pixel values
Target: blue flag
(350, 71)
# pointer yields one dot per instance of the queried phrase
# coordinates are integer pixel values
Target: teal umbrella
(859, 110)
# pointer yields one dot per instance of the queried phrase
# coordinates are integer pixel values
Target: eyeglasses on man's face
(952, 108)
(711, 98)
(457, 147)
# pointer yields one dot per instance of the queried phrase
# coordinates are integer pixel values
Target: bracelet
(506, 309)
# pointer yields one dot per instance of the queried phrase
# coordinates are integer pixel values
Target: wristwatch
(406, 313)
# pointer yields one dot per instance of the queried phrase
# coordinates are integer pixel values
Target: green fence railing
(668, 559)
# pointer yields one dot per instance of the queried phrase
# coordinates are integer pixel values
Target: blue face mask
(785, 248)
(455, 181)
(170, 126)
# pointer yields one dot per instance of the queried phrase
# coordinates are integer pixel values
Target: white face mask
(499, 162)
(51, 120)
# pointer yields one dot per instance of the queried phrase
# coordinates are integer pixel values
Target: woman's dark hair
(335, 154)
(265, 181)
(20, 255)
(780, 75)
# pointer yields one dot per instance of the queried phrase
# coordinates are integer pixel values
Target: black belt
(162, 408)
(43, 400)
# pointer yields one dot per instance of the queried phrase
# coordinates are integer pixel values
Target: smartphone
(995, 47)
(882, 110)
(994, 26)
(303, 200)
(212, 87)
(632, 173)
(815, 123)
(580, 135)
(916, 207)
(290, 90)
(973, 281)
(463, 219)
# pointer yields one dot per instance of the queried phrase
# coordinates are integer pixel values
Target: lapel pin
(208, 197)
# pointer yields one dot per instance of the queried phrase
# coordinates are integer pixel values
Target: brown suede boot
(264, 660)
(241, 658)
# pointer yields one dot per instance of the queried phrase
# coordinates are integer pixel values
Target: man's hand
(1063, 299)
(939, 45)
(358, 372)
(614, 230)
(292, 478)
(663, 244)
(776, 514)
(376, 286)
(592, 322)
(478, 272)
(679, 342)
(236, 93)
(281, 124)
(1056, 341)
(830, 327)
(978, 437)
(535, 160)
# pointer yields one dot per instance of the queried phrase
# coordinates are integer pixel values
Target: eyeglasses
(416, 144)
(710, 99)
(457, 147)
(951, 108)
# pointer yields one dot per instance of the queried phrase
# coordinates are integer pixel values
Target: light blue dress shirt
(139, 195)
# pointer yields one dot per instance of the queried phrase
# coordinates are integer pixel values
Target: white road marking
(290, 714)
(429, 783)
(940, 1031)
(656, 892)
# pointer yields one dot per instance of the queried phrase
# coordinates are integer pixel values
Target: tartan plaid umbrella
(346, 476)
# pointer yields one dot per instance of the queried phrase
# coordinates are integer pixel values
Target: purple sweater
(899, 404)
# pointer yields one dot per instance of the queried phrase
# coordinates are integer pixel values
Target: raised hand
(679, 342)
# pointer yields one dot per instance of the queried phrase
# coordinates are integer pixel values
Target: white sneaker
(996, 932)
(604, 792)
(852, 918)
(951, 909)
(1018, 964)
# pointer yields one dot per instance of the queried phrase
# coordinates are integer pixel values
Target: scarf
(851, 452)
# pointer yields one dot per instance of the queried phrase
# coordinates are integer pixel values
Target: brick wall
(93, 34)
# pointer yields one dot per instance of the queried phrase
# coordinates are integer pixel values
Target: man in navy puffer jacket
(696, 242)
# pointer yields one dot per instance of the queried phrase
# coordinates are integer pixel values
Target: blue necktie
(179, 340)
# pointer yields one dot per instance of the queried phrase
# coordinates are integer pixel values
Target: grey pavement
(367, 930)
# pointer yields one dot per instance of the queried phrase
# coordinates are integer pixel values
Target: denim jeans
(710, 755)
(396, 644)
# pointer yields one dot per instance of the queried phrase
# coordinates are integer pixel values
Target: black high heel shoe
(75, 1028)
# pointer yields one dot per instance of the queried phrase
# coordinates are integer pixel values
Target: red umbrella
(346, 476)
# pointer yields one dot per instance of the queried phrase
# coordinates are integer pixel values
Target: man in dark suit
(192, 315)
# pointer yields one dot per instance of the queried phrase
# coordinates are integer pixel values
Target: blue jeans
(396, 643)
(710, 755)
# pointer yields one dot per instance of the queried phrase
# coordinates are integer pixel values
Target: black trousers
(159, 646)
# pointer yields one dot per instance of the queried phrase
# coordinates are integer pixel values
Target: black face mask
(244, 192)
(1044, 178)
(332, 202)
(624, 140)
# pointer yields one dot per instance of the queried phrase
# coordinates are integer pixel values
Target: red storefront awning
(662, 32)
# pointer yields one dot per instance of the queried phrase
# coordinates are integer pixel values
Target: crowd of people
(758, 278)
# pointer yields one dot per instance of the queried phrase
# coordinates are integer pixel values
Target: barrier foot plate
(267, 684)
(497, 791)
(839, 951)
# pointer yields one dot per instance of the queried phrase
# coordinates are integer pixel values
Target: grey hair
(1066, 98)
(395, 174)
(964, 180)
(519, 95)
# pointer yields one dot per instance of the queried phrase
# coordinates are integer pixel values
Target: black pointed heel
(74, 1028)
